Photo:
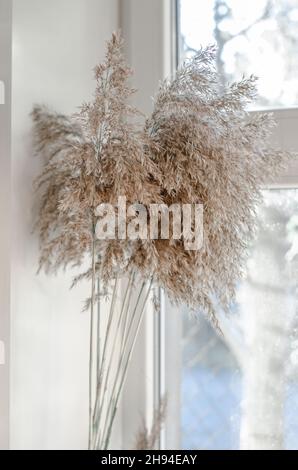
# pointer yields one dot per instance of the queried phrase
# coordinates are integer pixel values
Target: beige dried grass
(149, 438)
(198, 146)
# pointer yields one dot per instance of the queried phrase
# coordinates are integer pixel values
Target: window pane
(211, 389)
(244, 386)
(258, 37)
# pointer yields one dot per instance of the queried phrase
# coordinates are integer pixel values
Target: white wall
(55, 47)
(5, 78)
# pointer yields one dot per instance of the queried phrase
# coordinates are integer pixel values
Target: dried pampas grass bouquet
(199, 146)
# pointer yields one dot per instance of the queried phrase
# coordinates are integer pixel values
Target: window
(257, 355)
(205, 376)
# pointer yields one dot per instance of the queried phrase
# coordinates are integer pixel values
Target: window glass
(211, 389)
(257, 37)
(245, 383)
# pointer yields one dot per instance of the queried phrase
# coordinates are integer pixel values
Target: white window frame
(285, 137)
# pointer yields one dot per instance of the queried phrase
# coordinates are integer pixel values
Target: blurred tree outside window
(258, 37)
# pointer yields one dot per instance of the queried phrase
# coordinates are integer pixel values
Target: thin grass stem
(135, 336)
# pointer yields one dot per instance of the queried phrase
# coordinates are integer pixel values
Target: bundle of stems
(119, 337)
